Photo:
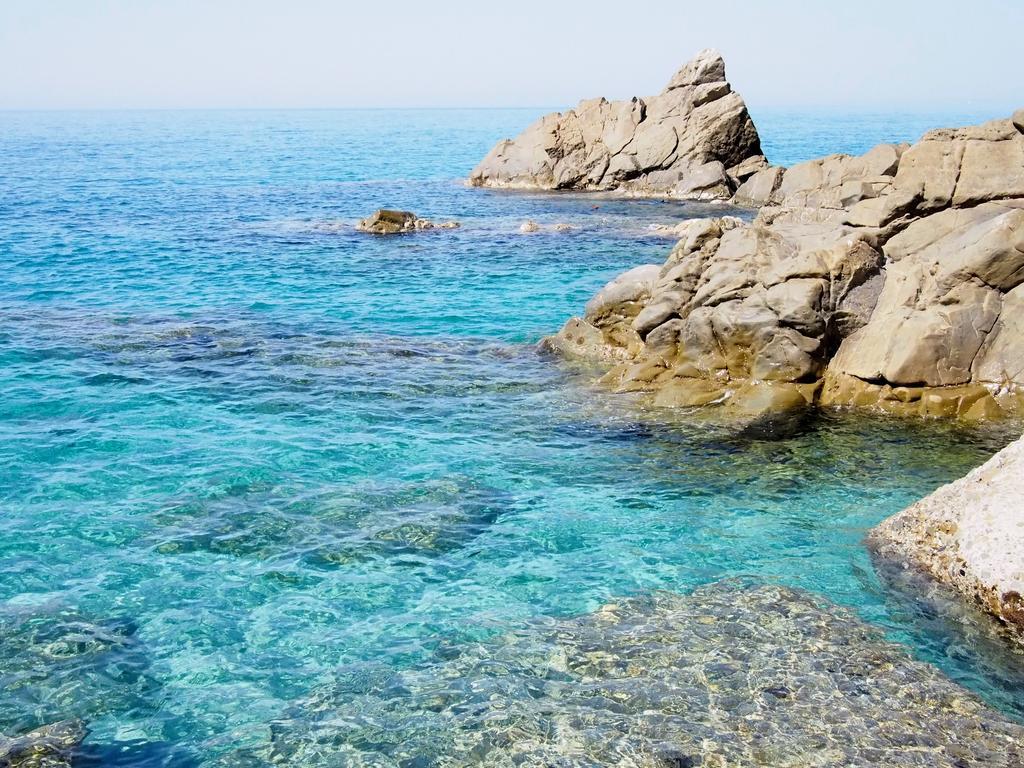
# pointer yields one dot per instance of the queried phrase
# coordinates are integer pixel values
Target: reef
(732, 674)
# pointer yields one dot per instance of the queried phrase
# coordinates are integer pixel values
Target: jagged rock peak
(693, 141)
(708, 66)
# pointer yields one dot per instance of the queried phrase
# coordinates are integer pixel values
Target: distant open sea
(245, 450)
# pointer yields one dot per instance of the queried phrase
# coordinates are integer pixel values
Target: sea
(245, 449)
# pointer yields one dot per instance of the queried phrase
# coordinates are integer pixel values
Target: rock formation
(893, 280)
(694, 140)
(388, 222)
(969, 534)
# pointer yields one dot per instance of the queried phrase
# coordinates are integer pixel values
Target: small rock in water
(529, 227)
(389, 222)
(48, 747)
(563, 227)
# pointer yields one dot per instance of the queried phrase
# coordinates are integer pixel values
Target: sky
(858, 54)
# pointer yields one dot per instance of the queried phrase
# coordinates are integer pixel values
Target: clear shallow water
(242, 447)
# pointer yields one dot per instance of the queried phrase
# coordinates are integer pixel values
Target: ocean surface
(245, 450)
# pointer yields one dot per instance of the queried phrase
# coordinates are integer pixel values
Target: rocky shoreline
(892, 281)
(857, 284)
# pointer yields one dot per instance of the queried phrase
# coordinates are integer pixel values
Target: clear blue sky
(912, 55)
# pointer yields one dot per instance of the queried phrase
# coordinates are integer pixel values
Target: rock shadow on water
(735, 673)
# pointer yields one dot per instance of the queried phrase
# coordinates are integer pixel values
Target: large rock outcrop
(893, 280)
(969, 534)
(695, 140)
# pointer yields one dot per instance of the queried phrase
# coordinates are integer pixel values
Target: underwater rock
(51, 746)
(57, 654)
(969, 534)
(695, 140)
(893, 280)
(732, 674)
(338, 526)
(388, 222)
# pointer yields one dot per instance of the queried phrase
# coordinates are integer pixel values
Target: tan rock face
(969, 534)
(758, 189)
(695, 140)
(893, 280)
(941, 302)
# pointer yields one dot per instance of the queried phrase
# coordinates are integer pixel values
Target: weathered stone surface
(1001, 361)
(969, 534)
(940, 302)
(605, 332)
(623, 296)
(733, 674)
(758, 189)
(744, 170)
(891, 280)
(929, 170)
(735, 303)
(990, 170)
(389, 222)
(706, 182)
(694, 140)
(580, 339)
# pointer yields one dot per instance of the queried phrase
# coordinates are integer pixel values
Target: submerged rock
(530, 227)
(732, 674)
(388, 222)
(362, 522)
(969, 534)
(695, 140)
(51, 746)
(893, 280)
(58, 655)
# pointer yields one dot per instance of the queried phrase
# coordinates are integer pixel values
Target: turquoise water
(243, 447)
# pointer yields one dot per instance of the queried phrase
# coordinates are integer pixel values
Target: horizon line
(853, 108)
